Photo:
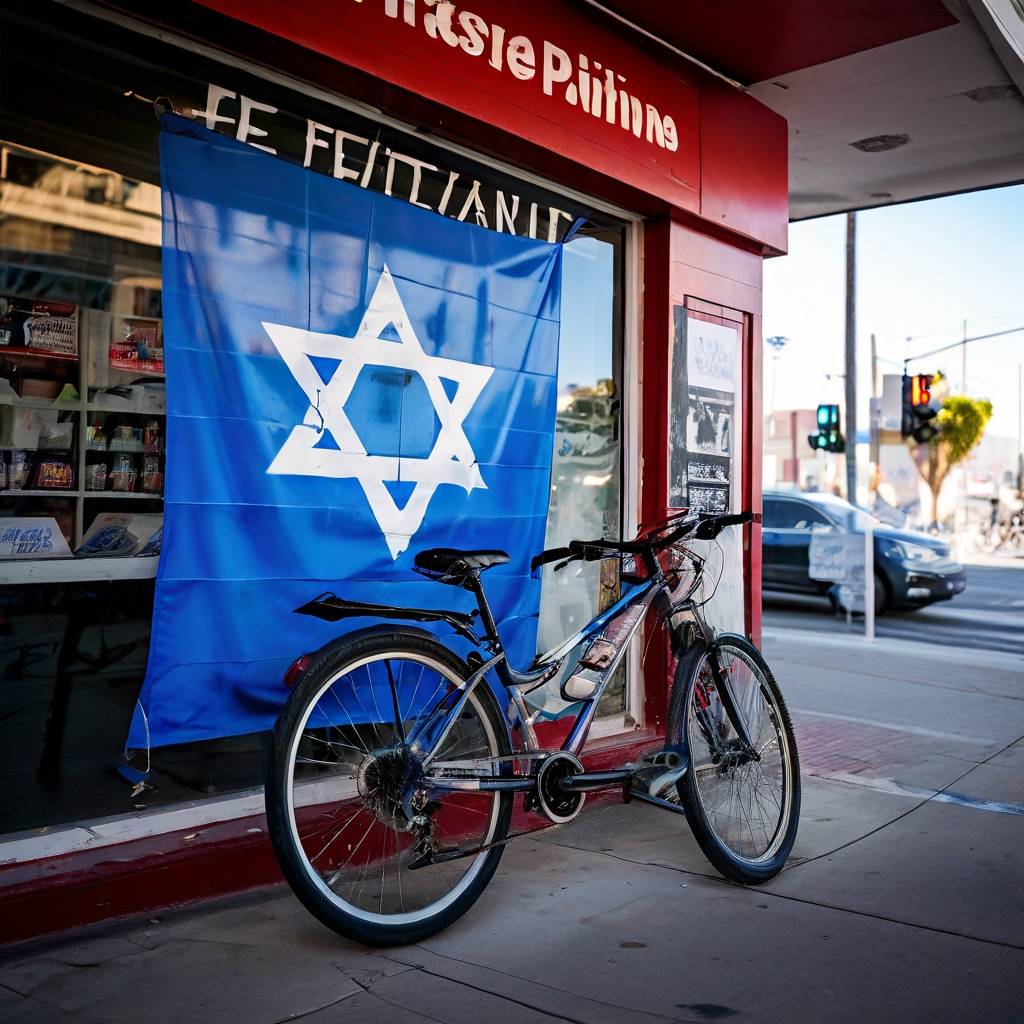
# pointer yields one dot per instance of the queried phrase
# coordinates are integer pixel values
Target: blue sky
(923, 268)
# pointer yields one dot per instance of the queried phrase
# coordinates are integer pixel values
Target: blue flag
(350, 379)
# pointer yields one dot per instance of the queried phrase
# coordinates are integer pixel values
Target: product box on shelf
(32, 537)
(122, 534)
(42, 325)
(56, 437)
(21, 428)
(137, 344)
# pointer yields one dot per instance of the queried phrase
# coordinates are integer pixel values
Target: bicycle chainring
(555, 803)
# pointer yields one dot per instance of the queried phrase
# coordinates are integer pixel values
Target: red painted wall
(718, 201)
(720, 279)
(725, 159)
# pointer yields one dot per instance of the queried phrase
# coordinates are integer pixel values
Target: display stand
(107, 384)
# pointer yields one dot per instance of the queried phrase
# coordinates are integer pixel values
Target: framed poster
(705, 440)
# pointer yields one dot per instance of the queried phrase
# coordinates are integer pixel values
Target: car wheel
(881, 594)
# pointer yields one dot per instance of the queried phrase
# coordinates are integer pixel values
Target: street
(988, 615)
(901, 900)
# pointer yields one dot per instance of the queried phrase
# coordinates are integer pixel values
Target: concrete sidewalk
(903, 900)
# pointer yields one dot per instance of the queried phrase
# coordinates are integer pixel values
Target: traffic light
(919, 408)
(829, 437)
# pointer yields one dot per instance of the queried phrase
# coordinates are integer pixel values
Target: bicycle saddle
(454, 565)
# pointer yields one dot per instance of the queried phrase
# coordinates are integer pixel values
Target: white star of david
(451, 461)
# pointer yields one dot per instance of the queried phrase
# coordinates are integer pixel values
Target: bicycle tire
(332, 663)
(726, 860)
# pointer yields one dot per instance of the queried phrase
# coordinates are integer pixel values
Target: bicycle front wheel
(743, 810)
(347, 796)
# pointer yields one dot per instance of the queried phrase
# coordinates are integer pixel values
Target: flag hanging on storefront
(350, 379)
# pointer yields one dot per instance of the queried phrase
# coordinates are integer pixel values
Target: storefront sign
(547, 73)
(577, 79)
(362, 159)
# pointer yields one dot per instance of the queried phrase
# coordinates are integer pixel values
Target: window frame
(798, 503)
(629, 310)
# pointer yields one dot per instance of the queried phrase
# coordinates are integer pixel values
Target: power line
(960, 343)
(972, 319)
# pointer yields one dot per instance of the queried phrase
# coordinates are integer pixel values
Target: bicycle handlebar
(701, 525)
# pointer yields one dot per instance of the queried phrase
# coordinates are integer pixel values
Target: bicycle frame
(592, 655)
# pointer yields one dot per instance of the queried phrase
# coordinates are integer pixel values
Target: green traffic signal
(829, 437)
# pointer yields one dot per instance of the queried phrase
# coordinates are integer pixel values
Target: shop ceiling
(886, 102)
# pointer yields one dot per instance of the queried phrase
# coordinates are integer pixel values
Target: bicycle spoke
(742, 798)
(363, 853)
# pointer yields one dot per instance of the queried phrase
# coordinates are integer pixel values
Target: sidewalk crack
(910, 810)
(541, 984)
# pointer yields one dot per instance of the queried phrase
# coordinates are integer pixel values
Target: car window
(810, 518)
(777, 514)
(782, 514)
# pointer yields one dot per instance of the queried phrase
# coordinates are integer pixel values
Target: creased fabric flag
(350, 379)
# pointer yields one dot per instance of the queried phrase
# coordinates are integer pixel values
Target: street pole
(874, 413)
(960, 519)
(851, 358)
(793, 450)
(869, 580)
(1020, 432)
(963, 362)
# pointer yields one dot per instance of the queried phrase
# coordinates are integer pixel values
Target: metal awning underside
(932, 91)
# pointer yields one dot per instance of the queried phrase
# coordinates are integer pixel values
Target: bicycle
(392, 771)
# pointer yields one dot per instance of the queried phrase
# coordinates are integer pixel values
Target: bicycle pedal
(664, 785)
(657, 780)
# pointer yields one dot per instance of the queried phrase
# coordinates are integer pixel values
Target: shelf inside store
(40, 403)
(70, 570)
(138, 409)
(23, 352)
(138, 495)
(140, 450)
(24, 493)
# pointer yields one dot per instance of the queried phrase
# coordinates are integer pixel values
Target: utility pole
(963, 362)
(960, 518)
(1020, 431)
(874, 414)
(794, 454)
(851, 358)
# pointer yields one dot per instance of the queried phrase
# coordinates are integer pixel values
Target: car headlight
(917, 554)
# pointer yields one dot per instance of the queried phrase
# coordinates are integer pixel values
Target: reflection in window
(586, 468)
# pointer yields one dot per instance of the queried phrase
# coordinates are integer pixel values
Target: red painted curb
(174, 869)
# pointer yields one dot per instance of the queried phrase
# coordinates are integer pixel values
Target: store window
(82, 408)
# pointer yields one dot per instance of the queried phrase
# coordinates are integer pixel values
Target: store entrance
(82, 402)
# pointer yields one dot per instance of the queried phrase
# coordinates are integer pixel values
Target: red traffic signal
(920, 390)
(918, 408)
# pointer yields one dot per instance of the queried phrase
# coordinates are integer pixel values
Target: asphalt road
(988, 615)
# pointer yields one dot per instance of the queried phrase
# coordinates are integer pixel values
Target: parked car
(911, 569)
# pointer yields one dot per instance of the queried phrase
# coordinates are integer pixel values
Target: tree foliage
(961, 423)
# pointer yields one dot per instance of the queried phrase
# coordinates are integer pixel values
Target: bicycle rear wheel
(344, 790)
(743, 811)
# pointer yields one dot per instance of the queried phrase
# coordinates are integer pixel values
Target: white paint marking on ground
(894, 788)
(913, 730)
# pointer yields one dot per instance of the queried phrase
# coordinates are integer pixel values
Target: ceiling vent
(880, 143)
